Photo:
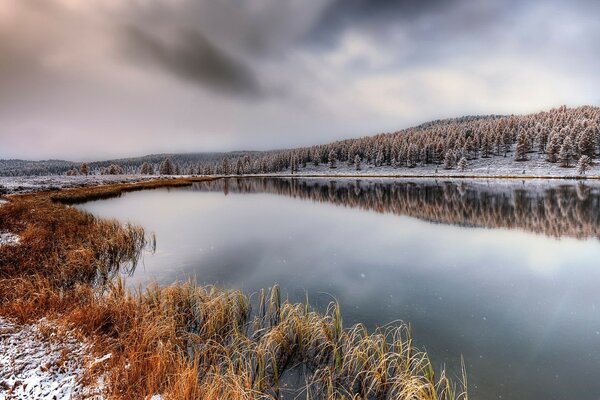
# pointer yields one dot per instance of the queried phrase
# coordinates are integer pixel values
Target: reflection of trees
(566, 210)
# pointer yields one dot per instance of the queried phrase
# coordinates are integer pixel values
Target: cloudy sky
(94, 79)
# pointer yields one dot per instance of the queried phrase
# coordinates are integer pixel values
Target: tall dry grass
(190, 342)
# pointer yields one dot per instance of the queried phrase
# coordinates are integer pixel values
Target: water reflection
(522, 305)
(552, 209)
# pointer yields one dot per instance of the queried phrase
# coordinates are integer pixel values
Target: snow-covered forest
(560, 138)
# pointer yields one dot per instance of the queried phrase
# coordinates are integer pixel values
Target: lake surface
(504, 273)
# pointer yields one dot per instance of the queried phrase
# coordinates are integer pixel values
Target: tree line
(565, 136)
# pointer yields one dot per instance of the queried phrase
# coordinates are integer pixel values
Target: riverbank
(185, 341)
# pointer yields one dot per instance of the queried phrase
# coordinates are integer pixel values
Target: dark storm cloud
(189, 55)
(373, 14)
(288, 72)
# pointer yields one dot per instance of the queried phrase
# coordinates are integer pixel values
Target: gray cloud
(191, 56)
(127, 77)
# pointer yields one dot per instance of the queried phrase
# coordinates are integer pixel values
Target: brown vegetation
(185, 341)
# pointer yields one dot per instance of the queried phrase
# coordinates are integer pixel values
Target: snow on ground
(26, 184)
(8, 239)
(495, 166)
(40, 361)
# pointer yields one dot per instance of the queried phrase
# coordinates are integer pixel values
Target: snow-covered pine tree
(449, 160)
(225, 166)
(462, 164)
(332, 159)
(146, 169)
(166, 167)
(357, 161)
(553, 147)
(84, 169)
(584, 164)
(522, 146)
(585, 142)
(566, 152)
(316, 158)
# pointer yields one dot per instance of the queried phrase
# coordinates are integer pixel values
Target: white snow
(41, 361)
(9, 239)
(496, 166)
(27, 184)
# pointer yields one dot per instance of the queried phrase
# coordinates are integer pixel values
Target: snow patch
(39, 361)
(9, 239)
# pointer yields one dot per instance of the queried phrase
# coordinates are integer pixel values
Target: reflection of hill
(562, 210)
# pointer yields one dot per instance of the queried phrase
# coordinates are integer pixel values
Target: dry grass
(185, 341)
(80, 195)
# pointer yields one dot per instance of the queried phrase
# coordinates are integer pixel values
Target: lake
(504, 273)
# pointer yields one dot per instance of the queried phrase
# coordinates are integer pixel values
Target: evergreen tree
(166, 167)
(566, 152)
(449, 160)
(462, 164)
(84, 169)
(146, 169)
(357, 162)
(522, 146)
(114, 169)
(225, 166)
(332, 159)
(585, 142)
(553, 148)
(584, 164)
(316, 158)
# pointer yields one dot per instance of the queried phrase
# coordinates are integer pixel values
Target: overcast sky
(94, 79)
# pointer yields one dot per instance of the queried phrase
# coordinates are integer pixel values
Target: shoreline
(66, 270)
(60, 183)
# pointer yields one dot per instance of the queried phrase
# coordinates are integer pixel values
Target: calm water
(505, 274)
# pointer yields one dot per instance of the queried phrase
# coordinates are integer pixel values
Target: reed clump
(186, 341)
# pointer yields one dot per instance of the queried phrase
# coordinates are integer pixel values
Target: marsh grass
(186, 341)
(81, 195)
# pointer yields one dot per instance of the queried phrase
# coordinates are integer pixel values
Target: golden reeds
(190, 342)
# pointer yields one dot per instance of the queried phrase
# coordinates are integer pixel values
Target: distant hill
(550, 141)
(131, 165)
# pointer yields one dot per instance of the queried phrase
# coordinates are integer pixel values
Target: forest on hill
(565, 137)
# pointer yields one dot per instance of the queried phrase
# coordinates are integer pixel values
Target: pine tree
(225, 166)
(585, 142)
(316, 158)
(462, 164)
(379, 159)
(84, 169)
(332, 159)
(449, 160)
(146, 169)
(357, 162)
(522, 146)
(566, 152)
(114, 169)
(584, 164)
(166, 167)
(542, 139)
(553, 147)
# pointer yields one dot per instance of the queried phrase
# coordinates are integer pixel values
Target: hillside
(549, 143)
